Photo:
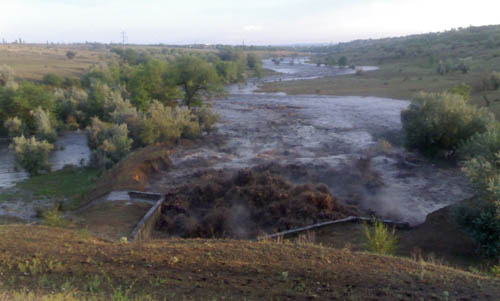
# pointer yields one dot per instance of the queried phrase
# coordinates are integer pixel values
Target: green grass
(69, 185)
(8, 195)
(380, 239)
(394, 80)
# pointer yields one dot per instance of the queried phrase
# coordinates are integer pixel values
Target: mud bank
(321, 139)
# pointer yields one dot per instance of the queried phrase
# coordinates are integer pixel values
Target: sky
(254, 22)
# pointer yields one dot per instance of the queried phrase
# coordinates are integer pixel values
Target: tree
(196, 77)
(52, 80)
(148, 82)
(342, 61)
(43, 125)
(6, 75)
(28, 97)
(70, 54)
(254, 63)
(463, 89)
(228, 71)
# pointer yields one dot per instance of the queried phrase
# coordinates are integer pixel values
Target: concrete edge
(350, 219)
(143, 229)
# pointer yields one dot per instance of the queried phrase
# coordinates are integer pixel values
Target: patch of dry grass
(32, 62)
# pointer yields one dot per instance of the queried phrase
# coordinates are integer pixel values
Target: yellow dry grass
(32, 62)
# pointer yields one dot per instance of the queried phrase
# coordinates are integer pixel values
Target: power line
(124, 38)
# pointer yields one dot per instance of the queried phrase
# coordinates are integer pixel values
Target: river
(313, 138)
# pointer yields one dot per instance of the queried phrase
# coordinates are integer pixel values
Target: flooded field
(70, 149)
(313, 139)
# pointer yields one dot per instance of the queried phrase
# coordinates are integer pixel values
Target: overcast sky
(260, 22)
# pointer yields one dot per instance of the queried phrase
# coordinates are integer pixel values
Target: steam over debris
(244, 204)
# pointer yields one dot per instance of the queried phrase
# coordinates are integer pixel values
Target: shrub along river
(70, 149)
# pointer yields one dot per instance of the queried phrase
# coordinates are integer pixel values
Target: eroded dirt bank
(321, 139)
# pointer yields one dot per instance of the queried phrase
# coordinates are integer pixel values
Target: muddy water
(314, 138)
(70, 148)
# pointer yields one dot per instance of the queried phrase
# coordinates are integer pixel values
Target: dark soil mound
(245, 204)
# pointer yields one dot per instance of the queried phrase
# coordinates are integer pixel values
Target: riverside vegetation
(130, 102)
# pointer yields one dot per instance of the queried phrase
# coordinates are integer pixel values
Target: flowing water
(312, 138)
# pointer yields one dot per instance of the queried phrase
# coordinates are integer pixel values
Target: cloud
(252, 28)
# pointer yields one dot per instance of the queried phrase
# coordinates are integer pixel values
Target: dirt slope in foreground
(48, 259)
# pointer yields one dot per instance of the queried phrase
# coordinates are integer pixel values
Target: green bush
(484, 145)
(20, 102)
(123, 112)
(14, 127)
(53, 218)
(43, 125)
(254, 63)
(162, 124)
(495, 80)
(110, 143)
(481, 220)
(463, 89)
(379, 238)
(436, 123)
(52, 80)
(485, 176)
(206, 118)
(6, 75)
(31, 154)
(71, 106)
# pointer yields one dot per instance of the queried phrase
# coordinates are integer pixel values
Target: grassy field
(68, 186)
(32, 62)
(38, 261)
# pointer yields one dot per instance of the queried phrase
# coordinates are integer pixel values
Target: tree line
(129, 102)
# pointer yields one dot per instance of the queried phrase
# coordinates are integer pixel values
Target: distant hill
(456, 43)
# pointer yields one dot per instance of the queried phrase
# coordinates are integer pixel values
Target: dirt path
(325, 139)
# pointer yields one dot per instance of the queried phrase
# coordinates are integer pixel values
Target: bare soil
(85, 267)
